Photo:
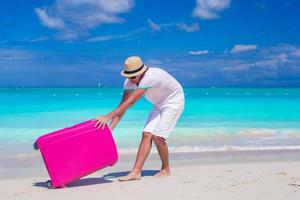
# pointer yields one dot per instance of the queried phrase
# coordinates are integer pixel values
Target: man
(167, 96)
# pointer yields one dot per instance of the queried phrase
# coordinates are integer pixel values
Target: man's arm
(121, 109)
(127, 103)
(114, 122)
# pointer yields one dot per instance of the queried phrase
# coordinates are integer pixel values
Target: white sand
(250, 178)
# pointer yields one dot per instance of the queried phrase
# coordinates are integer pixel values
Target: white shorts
(161, 122)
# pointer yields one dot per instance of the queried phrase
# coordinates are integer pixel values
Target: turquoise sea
(215, 119)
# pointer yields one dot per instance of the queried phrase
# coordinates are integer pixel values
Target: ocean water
(214, 119)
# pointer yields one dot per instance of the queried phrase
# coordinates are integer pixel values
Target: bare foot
(163, 173)
(130, 177)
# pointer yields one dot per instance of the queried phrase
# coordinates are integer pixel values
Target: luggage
(76, 151)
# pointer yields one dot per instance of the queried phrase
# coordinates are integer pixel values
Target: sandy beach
(209, 175)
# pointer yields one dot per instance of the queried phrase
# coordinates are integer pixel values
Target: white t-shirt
(163, 90)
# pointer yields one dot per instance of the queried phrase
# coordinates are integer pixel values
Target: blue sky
(221, 43)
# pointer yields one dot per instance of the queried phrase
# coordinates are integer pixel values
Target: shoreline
(33, 165)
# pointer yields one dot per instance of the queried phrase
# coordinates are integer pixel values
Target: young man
(167, 96)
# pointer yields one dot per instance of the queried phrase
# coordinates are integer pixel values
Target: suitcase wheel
(35, 146)
(49, 184)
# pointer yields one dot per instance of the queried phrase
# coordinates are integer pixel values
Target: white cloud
(167, 27)
(14, 55)
(188, 28)
(209, 9)
(127, 36)
(163, 28)
(283, 58)
(39, 39)
(153, 26)
(154, 62)
(46, 20)
(285, 49)
(266, 63)
(192, 75)
(242, 48)
(201, 52)
(262, 64)
(103, 38)
(74, 18)
(296, 53)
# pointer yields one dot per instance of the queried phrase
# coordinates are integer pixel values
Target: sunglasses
(133, 77)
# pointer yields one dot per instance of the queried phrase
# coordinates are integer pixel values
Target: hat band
(134, 71)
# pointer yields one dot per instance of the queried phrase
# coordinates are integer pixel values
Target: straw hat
(133, 66)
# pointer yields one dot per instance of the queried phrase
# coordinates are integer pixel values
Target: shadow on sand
(94, 181)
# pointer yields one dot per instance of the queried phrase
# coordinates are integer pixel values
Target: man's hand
(114, 122)
(101, 121)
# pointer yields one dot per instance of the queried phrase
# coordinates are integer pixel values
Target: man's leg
(143, 152)
(163, 151)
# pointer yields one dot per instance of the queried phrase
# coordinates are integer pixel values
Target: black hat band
(134, 71)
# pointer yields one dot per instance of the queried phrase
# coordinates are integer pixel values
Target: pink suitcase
(76, 151)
